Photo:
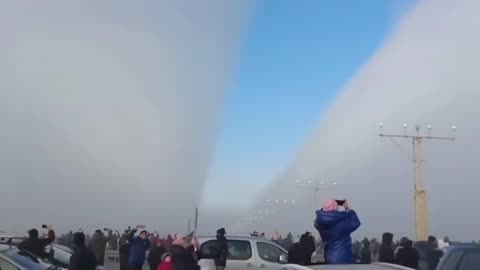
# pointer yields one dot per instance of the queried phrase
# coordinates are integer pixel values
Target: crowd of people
(335, 222)
(181, 252)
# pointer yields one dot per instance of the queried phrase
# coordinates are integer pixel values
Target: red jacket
(165, 266)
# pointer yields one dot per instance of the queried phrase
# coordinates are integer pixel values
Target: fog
(425, 73)
(109, 109)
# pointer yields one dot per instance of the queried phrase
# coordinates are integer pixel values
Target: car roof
(232, 237)
(373, 266)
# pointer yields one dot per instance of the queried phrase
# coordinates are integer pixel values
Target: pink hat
(330, 205)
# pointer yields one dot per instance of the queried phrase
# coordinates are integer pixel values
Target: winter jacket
(37, 246)
(123, 253)
(138, 249)
(165, 266)
(155, 257)
(335, 228)
(221, 251)
(82, 259)
(386, 253)
(98, 245)
(408, 256)
(183, 258)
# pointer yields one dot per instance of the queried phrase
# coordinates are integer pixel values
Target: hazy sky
(109, 109)
(424, 73)
(121, 112)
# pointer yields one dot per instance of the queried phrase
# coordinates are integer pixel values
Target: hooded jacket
(335, 228)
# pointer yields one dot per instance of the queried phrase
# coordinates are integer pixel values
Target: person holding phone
(36, 245)
(335, 227)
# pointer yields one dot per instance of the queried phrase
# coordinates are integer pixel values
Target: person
(138, 248)
(82, 257)
(123, 253)
(167, 263)
(365, 254)
(386, 253)
(433, 253)
(98, 243)
(288, 242)
(335, 228)
(301, 253)
(36, 245)
(155, 255)
(221, 250)
(407, 255)
(185, 253)
(113, 242)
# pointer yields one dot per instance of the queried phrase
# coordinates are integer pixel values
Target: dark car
(461, 257)
(11, 258)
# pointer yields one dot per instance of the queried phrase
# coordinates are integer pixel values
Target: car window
(470, 261)
(237, 249)
(5, 265)
(269, 252)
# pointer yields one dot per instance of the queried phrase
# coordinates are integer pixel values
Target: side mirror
(283, 259)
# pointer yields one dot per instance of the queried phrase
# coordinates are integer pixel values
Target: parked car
(245, 252)
(461, 257)
(59, 255)
(11, 258)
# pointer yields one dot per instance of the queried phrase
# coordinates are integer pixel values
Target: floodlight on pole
(420, 193)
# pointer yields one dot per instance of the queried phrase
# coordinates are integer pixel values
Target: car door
(240, 255)
(6, 265)
(269, 256)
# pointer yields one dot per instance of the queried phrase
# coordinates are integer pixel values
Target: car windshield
(25, 259)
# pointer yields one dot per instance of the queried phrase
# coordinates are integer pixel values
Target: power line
(420, 193)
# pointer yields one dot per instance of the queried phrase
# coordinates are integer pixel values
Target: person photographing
(37, 245)
(335, 222)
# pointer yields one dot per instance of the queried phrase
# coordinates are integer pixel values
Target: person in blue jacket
(335, 228)
(138, 248)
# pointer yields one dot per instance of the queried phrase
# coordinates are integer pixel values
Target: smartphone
(340, 202)
(105, 229)
(44, 226)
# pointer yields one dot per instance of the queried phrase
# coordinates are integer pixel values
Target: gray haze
(109, 109)
(426, 73)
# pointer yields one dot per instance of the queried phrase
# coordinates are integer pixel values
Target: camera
(44, 226)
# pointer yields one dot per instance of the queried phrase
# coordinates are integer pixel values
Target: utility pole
(420, 193)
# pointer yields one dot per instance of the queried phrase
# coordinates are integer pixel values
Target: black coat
(123, 253)
(365, 256)
(221, 251)
(98, 245)
(155, 257)
(183, 259)
(407, 256)
(296, 255)
(82, 259)
(37, 246)
(386, 254)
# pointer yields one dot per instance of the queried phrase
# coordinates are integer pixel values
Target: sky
(424, 73)
(296, 57)
(121, 112)
(109, 109)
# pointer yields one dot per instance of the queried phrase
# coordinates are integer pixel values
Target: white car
(245, 253)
